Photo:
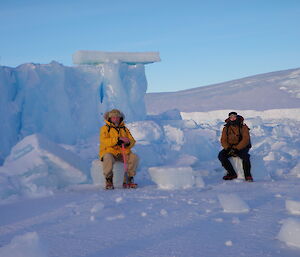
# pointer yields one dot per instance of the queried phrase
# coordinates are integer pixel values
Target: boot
(229, 176)
(249, 179)
(130, 183)
(109, 183)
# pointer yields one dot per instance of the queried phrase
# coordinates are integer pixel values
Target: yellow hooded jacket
(109, 137)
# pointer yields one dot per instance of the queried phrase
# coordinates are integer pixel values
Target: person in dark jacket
(235, 141)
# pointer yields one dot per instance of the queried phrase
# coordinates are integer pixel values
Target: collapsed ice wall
(37, 167)
(66, 104)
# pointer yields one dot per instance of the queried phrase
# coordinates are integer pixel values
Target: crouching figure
(116, 142)
(235, 141)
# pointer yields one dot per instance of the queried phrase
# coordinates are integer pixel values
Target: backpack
(109, 127)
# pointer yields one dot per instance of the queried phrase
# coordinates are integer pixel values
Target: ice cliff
(66, 104)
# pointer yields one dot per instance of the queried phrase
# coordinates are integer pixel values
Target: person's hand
(233, 152)
(228, 150)
(125, 140)
(236, 151)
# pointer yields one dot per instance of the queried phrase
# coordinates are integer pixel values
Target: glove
(121, 142)
(233, 152)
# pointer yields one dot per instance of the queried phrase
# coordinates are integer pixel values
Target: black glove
(120, 142)
(233, 152)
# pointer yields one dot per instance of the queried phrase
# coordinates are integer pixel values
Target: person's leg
(132, 163)
(245, 156)
(107, 165)
(224, 159)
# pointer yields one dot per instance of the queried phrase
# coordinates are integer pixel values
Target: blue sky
(200, 42)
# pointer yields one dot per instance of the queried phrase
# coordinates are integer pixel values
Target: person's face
(115, 120)
(232, 117)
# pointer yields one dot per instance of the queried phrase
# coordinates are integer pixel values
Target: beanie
(232, 113)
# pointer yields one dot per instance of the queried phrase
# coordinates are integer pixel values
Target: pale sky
(200, 42)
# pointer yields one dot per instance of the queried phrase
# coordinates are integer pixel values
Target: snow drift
(274, 90)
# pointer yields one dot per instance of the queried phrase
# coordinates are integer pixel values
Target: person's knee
(107, 165)
(221, 156)
(134, 155)
(134, 158)
(245, 157)
(133, 164)
(108, 157)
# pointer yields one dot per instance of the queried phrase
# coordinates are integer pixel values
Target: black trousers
(243, 154)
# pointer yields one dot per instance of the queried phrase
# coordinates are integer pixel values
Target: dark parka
(235, 136)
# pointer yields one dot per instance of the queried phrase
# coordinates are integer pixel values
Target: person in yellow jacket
(116, 142)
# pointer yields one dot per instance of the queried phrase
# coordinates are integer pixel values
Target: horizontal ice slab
(172, 177)
(97, 57)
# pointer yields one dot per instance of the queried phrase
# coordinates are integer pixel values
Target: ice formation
(290, 232)
(37, 166)
(99, 57)
(66, 104)
(232, 203)
(98, 177)
(174, 177)
(237, 164)
(293, 206)
(28, 245)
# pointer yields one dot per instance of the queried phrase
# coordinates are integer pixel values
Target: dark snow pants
(243, 154)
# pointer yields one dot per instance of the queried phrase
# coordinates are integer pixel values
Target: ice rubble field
(182, 207)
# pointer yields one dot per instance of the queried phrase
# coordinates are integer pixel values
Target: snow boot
(130, 183)
(230, 176)
(109, 183)
(249, 179)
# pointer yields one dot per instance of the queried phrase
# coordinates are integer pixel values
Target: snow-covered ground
(182, 207)
(274, 90)
(52, 202)
(153, 222)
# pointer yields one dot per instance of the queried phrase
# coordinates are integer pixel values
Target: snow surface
(217, 116)
(182, 206)
(195, 212)
(275, 90)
